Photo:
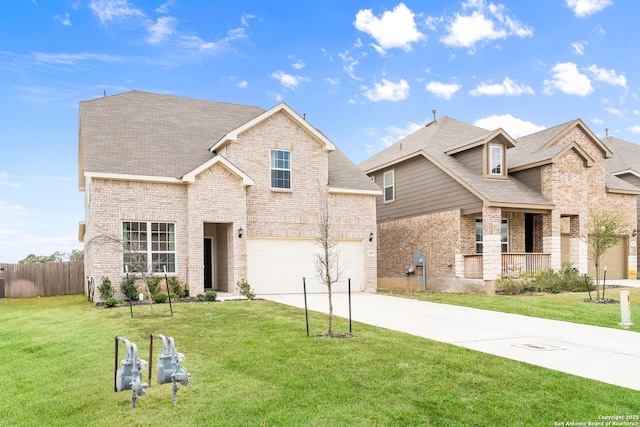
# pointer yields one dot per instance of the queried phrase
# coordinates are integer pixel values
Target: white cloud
(64, 20)
(443, 90)
(161, 30)
(349, 64)
(288, 80)
(17, 244)
(607, 76)
(568, 79)
(387, 91)
(485, 22)
(195, 42)
(10, 207)
(513, 126)
(507, 87)
(579, 46)
(245, 19)
(242, 84)
(635, 129)
(332, 81)
(394, 29)
(395, 133)
(114, 10)
(298, 64)
(72, 58)
(164, 8)
(584, 8)
(615, 112)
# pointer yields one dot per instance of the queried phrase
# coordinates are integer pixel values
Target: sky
(366, 73)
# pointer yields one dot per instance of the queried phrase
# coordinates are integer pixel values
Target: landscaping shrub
(568, 279)
(159, 298)
(106, 289)
(175, 286)
(153, 283)
(174, 297)
(509, 285)
(210, 296)
(245, 289)
(111, 302)
(129, 289)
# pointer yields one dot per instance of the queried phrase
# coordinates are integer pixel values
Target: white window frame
(500, 160)
(391, 185)
(154, 245)
(504, 236)
(274, 166)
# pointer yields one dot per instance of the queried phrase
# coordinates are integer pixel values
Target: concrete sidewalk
(603, 354)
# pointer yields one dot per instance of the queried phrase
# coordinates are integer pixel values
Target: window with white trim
(504, 236)
(389, 186)
(495, 160)
(281, 169)
(149, 246)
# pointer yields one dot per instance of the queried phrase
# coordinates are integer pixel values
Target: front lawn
(569, 306)
(253, 365)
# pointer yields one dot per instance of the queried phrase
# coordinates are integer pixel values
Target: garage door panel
(615, 259)
(278, 265)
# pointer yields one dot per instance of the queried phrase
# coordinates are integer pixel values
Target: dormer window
(495, 159)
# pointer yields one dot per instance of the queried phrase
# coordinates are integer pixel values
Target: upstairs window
(280, 169)
(496, 160)
(389, 186)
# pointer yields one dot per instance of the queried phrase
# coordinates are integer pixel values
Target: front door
(208, 263)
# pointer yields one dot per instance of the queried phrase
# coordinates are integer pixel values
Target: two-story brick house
(476, 204)
(214, 193)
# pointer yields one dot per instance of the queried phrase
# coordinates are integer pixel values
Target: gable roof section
(150, 135)
(232, 136)
(625, 160)
(447, 135)
(541, 147)
(218, 159)
(345, 176)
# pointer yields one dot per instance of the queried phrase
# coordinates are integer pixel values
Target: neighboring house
(477, 204)
(214, 193)
(625, 164)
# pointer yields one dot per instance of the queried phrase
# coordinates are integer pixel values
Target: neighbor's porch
(503, 243)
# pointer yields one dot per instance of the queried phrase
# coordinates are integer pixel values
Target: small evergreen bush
(111, 302)
(153, 283)
(106, 289)
(175, 286)
(210, 296)
(128, 288)
(159, 298)
(245, 289)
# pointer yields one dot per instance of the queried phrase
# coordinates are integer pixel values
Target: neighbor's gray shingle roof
(626, 157)
(438, 137)
(141, 133)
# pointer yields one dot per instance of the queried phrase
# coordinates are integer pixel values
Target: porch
(513, 264)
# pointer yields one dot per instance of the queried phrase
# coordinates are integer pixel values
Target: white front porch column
(491, 244)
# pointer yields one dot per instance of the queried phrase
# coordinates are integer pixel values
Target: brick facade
(217, 204)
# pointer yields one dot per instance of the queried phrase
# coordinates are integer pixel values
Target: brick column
(578, 247)
(551, 237)
(491, 244)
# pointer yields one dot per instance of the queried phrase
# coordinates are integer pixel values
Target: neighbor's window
(149, 246)
(504, 236)
(280, 169)
(389, 186)
(495, 159)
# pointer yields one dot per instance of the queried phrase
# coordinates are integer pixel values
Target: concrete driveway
(603, 354)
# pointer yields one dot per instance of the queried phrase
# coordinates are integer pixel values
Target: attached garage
(615, 259)
(277, 266)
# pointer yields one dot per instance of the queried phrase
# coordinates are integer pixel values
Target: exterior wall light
(634, 233)
(240, 232)
(371, 236)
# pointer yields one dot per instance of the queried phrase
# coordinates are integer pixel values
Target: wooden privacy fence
(42, 279)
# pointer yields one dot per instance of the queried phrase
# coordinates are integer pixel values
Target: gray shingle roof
(141, 133)
(626, 157)
(445, 134)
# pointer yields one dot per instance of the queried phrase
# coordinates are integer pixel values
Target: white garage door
(277, 266)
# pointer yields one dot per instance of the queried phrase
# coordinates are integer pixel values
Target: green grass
(568, 306)
(253, 365)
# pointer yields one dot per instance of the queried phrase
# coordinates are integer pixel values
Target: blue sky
(364, 72)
